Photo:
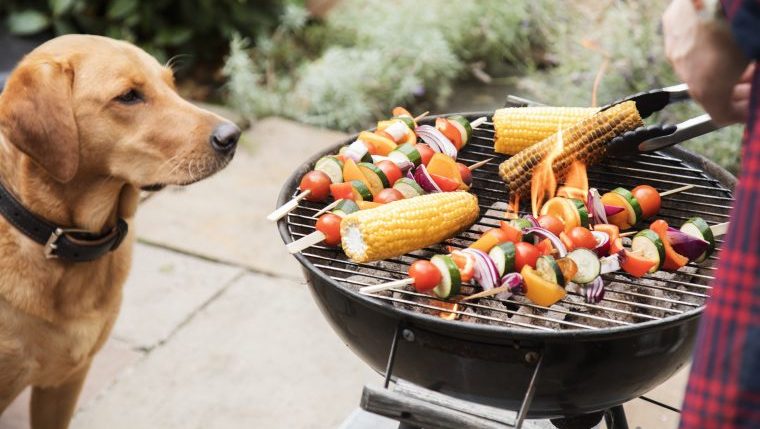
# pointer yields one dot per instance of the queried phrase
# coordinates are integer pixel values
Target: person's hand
(740, 95)
(705, 56)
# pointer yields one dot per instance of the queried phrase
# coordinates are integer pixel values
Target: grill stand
(416, 407)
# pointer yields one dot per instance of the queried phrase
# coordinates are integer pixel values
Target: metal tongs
(652, 137)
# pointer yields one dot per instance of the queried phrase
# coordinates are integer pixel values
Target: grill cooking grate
(627, 300)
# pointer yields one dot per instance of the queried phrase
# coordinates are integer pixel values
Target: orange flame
(543, 184)
(513, 208)
(576, 182)
(449, 308)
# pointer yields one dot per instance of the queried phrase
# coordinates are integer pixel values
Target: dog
(86, 122)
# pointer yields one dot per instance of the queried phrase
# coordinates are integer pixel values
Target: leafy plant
(372, 55)
(200, 29)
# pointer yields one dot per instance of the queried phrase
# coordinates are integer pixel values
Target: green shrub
(200, 29)
(372, 55)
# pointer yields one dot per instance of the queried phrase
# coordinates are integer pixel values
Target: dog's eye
(129, 97)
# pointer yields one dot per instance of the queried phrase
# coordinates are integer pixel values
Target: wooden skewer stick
(326, 209)
(386, 286)
(478, 122)
(305, 241)
(287, 207)
(628, 234)
(486, 293)
(719, 229)
(673, 191)
(479, 164)
(420, 116)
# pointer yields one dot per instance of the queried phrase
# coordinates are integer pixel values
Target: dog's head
(93, 106)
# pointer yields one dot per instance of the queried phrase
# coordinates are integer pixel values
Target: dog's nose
(224, 138)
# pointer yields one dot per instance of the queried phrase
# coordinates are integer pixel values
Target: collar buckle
(52, 242)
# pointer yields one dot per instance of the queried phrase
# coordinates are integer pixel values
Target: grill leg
(531, 390)
(392, 357)
(615, 418)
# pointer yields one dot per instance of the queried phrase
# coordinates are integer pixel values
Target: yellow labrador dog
(85, 122)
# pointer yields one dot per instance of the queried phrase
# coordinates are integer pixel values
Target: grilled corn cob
(521, 127)
(402, 226)
(585, 141)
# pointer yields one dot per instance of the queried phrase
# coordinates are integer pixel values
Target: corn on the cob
(585, 141)
(402, 226)
(520, 127)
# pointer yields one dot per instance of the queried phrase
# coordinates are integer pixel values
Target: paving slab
(259, 356)
(224, 217)
(163, 290)
(114, 359)
(643, 414)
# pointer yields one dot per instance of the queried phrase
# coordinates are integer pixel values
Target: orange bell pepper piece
(673, 259)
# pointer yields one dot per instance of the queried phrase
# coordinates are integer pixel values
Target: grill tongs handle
(655, 137)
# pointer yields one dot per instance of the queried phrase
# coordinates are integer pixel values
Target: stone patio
(218, 329)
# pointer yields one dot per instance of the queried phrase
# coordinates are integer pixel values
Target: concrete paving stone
(259, 356)
(645, 415)
(163, 290)
(111, 362)
(224, 217)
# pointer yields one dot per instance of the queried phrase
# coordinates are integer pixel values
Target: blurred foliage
(369, 56)
(628, 37)
(198, 29)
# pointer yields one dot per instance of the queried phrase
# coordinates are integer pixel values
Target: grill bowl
(582, 370)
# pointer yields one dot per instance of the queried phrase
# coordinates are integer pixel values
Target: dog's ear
(36, 115)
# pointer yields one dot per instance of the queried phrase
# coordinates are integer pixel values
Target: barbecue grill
(573, 359)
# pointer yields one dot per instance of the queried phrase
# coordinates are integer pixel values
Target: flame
(594, 46)
(513, 208)
(450, 307)
(543, 184)
(576, 182)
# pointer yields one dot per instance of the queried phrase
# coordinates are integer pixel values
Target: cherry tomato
(425, 152)
(525, 254)
(426, 276)
(318, 183)
(390, 169)
(465, 173)
(582, 238)
(329, 225)
(648, 198)
(342, 191)
(552, 223)
(388, 195)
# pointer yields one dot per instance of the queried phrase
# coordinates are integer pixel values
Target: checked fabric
(724, 385)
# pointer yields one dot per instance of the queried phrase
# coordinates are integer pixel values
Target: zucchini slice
(375, 176)
(648, 244)
(406, 152)
(503, 256)
(697, 227)
(463, 126)
(450, 278)
(361, 191)
(582, 211)
(408, 187)
(331, 166)
(588, 265)
(345, 207)
(548, 268)
(633, 205)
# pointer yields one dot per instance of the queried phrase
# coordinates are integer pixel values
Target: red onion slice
(612, 210)
(603, 243)
(556, 242)
(515, 283)
(533, 221)
(422, 177)
(486, 273)
(436, 140)
(594, 291)
(686, 245)
(594, 203)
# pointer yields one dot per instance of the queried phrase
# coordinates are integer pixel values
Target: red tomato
(318, 183)
(465, 173)
(451, 132)
(388, 195)
(342, 191)
(329, 225)
(426, 276)
(446, 184)
(582, 238)
(425, 152)
(552, 223)
(391, 170)
(525, 254)
(648, 198)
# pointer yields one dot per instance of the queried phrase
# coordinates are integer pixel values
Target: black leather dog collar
(67, 244)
